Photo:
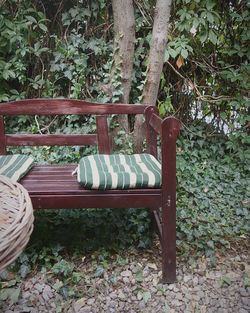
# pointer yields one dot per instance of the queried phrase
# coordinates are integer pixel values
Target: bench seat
(54, 187)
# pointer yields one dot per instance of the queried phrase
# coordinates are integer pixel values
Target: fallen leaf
(180, 61)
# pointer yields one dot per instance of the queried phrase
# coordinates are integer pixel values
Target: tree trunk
(124, 29)
(156, 60)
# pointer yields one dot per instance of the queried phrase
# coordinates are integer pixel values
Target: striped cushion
(118, 171)
(15, 166)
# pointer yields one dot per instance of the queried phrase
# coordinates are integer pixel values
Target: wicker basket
(16, 220)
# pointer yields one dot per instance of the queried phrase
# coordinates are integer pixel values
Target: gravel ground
(135, 286)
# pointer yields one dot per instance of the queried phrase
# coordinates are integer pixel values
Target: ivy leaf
(210, 243)
(14, 295)
(3, 294)
(58, 285)
(173, 53)
(68, 74)
(184, 53)
(225, 280)
(166, 56)
(99, 271)
(146, 296)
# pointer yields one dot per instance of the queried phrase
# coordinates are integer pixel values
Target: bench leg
(168, 243)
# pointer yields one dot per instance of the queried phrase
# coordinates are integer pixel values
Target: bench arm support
(170, 129)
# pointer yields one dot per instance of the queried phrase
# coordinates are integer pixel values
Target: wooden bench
(54, 187)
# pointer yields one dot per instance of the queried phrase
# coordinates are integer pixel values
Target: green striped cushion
(118, 171)
(15, 166)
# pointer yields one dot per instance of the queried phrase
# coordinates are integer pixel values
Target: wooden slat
(47, 168)
(50, 140)
(65, 106)
(95, 201)
(103, 134)
(2, 136)
(59, 181)
(155, 122)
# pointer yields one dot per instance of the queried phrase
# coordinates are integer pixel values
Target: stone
(195, 281)
(39, 287)
(79, 304)
(126, 280)
(222, 310)
(186, 278)
(47, 293)
(245, 301)
(85, 309)
(126, 273)
(243, 311)
(91, 301)
(170, 287)
(142, 305)
(179, 296)
(176, 303)
(243, 292)
(121, 295)
(113, 295)
(113, 304)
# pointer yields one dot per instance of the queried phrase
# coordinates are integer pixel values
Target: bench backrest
(62, 107)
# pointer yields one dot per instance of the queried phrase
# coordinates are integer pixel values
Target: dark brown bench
(54, 187)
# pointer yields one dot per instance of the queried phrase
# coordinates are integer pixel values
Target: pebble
(126, 273)
(243, 311)
(186, 278)
(195, 281)
(86, 309)
(246, 301)
(91, 301)
(170, 286)
(199, 292)
(113, 295)
(244, 293)
(79, 304)
(176, 303)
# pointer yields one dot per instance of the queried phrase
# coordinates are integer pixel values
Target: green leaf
(212, 36)
(210, 4)
(4, 294)
(210, 243)
(14, 295)
(146, 296)
(203, 37)
(31, 19)
(166, 55)
(58, 285)
(24, 270)
(225, 280)
(184, 53)
(210, 17)
(43, 27)
(172, 52)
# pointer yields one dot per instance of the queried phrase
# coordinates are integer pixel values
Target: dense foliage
(50, 49)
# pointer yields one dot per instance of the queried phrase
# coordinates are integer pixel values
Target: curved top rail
(67, 106)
